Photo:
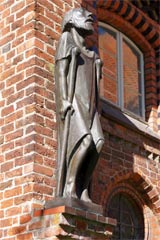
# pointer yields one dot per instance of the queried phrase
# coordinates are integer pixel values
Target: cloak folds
(85, 119)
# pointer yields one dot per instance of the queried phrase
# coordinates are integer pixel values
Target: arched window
(123, 77)
(130, 222)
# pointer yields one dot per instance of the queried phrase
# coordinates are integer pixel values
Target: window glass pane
(108, 54)
(132, 78)
(130, 222)
(122, 82)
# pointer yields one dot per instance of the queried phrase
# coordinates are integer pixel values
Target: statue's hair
(67, 20)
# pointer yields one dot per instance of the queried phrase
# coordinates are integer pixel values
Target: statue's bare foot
(70, 195)
(85, 197)
(69, 192)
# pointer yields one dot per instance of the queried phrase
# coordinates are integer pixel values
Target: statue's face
(83, 19)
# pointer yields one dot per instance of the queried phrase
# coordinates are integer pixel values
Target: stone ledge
(77, 207)
(75, 203)
(136, 124)
(74, 222)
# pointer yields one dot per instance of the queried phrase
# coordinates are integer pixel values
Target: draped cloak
(85, 119)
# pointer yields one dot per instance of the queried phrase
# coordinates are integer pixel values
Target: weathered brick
(43, 170)
(25, 219)
(5, 185)
(7, 47)
(7, 110)
(13, 192)
(14, 135)
(6, 166)
(14, 116)
(35, 225)
(16, 230)
(7, 203)
(6, 222)
(14, 173)
(26, 236)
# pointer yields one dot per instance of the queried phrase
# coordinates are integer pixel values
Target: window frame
(120, 78)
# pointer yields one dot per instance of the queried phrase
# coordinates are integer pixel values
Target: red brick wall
(130, 159)
(29, 33)
(17, 114)
(129, 162)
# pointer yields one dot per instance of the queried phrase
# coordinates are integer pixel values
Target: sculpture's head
(79, 18)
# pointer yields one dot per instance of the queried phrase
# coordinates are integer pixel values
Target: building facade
(126, 181)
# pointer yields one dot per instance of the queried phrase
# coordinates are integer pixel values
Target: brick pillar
(28, 34)
(20, 118)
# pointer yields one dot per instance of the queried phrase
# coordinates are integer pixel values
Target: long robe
(85, 119)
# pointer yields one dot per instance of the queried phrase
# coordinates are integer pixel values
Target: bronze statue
(80, 137)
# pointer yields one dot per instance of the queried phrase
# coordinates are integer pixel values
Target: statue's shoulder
(65, 45)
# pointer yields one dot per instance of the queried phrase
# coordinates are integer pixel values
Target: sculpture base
(68, 218)
(75, 203)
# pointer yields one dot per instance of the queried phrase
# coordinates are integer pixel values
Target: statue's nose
(88, 13)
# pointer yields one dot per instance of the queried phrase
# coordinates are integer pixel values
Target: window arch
(123, 74)
(130, 222)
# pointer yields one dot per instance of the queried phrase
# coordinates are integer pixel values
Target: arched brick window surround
(144, 32)
(126, 189)
(136, 178)
(145, 195)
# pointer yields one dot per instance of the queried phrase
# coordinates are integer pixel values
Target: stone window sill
(114, 113)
